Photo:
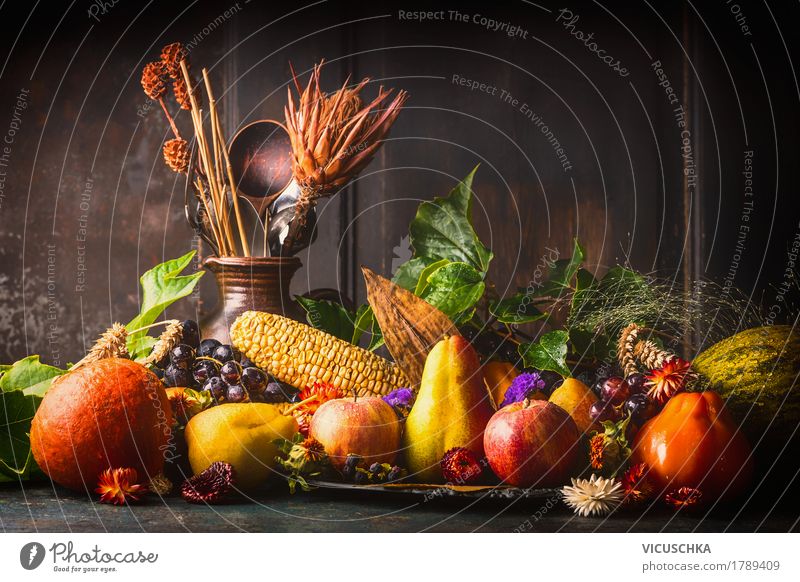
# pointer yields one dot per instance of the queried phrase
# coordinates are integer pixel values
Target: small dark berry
(637, 383)
(273, 392)
(190, 334)
(231, 372)
(615, 390)
(203, 370)
(177, 376)
(224, 353)
(207, 347)
(246, 363)
(236, 393)
(216, 387)
(254, 380)
(182, 356)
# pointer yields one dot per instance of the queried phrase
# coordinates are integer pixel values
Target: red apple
(531, 443)
(364, 426)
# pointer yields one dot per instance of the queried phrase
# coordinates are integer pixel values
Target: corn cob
(300, 355)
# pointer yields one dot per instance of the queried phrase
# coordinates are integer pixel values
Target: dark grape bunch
(218, 369)
(620, 397)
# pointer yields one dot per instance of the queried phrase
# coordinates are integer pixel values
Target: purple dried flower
(522, 386)
(401, 400)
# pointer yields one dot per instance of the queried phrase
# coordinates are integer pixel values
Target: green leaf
(559, 279)
(426, 273)
(516, 309)
(29, 375)
(442, 229)
(549, 353)
(329, 317)
(455, 289)
(407, 274)
(141, 347)
(162, 286)
(16, 412)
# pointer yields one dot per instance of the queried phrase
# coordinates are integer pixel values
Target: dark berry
(640, 407)
(603, 410)
(360, 477)
(236, 393)
(231, 372)
(176, 376)
(182, 356)
(597, 387)
(158, 372)
(394, 474)
(216, 387)
(207, 347)
(254, 380)
(637, 383)
(203, 370)
(224, 353)
(190, 333)
(246, 363)
(350, 464)
(375, 468)
(614, 390)
(273, 392)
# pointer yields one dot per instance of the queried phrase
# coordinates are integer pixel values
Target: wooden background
(84, 156)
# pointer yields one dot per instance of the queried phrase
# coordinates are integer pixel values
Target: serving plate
(433, 491)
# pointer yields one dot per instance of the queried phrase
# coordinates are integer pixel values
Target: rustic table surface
(41, 508)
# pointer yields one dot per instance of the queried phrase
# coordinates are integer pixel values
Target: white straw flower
(595, 496)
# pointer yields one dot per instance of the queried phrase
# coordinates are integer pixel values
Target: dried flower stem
(169, 118)
(220, 143)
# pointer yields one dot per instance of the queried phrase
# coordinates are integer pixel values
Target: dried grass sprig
(169, 338)
(333, 137)
(112, 343)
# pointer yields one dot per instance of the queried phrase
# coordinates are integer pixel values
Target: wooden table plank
(43, 509)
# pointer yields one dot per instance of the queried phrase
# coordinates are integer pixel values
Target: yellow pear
(240, 434)
(576, 398)
(452, 409)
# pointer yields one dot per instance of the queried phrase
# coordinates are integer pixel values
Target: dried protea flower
(683, 497)
(635, 484)
(176, 155)
(119, 486)
(210, 485)
(314, 450)
(171, 57)
(333, 137)
(112, 343)
(153, 80)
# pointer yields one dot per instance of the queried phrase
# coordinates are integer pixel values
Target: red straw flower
(683, 497)
(667, 381)
(635, 485)
(119, 486)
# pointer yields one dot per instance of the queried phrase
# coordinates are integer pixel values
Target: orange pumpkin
(694, 442)
(113, 413)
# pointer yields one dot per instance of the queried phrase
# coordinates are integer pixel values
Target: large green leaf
(442, 229)
(329, 317)
(549, 353)
(517, 309)
(162, 286)
(16, 412)
(426, 273)
(559, 278)
(455, 289)
(407, 274)
(29, 375)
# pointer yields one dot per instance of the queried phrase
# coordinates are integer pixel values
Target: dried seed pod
(210, 485)
(181, 94)
(169, 338)
(153, 80)
(650, 355)
(171, 57)
(625, 346)
(176, 155)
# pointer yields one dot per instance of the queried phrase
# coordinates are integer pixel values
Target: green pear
(452, 409)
